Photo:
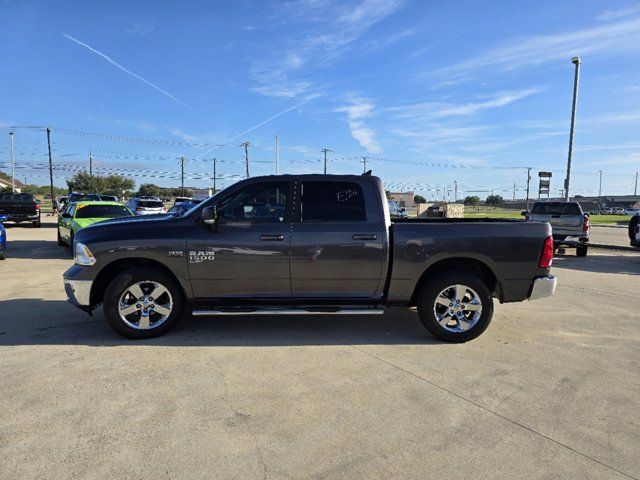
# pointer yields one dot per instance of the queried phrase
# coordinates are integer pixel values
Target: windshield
(102, 211)
(554, 208)
(150, 204)
(81, 197)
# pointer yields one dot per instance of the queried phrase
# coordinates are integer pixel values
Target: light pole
(576, 62)
(13, 178)
(600, 193)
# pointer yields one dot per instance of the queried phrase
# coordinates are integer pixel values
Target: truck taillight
(546, 256)
(37, 207)
(585, 224)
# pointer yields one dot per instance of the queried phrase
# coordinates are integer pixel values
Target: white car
(618, 211)
(146, 206)
(631, 211)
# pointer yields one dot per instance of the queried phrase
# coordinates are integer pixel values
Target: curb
(613, 247)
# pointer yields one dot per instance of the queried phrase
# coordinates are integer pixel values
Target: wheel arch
(110, 270)
(461, 264)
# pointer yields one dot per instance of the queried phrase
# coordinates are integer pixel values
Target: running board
(268, 311)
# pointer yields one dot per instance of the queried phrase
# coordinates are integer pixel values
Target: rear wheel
(37, 223)
(142, 303)
(581, 250)
(455, 306)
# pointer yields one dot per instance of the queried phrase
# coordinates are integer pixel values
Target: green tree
(494, 201)
(117, 184)
(419, 199)
(85, 183)
(149, 190)
(472, 200)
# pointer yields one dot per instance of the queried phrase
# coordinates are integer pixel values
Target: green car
(82, 214)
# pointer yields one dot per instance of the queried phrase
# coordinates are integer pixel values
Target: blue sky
(431, 92)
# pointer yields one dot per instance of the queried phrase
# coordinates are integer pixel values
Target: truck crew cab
(308, 245)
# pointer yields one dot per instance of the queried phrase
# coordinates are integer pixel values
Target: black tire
(581, 251)
(37, 223)
(3, 256)
(426, 301)
(60, 241)
(126, 279)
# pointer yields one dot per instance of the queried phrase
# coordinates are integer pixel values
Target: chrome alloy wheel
(145, 305)
(457, 308)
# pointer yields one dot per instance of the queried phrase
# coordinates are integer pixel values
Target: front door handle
(365, 236)
(272, 238)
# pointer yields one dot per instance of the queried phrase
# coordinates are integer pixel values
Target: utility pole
(364, 163)
(325, 150)
(214, 175)
(635, 189)
(528, 181)
(576, 62)
(455, 190)
(90, 164)
(277, 153)
(514, 191)
(13, 179)
(181, 162)
(50, 163)
(246, 155)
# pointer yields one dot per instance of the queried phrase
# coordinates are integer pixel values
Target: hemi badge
(176, 253)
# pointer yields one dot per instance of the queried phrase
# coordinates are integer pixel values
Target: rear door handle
(272, 238)
(365, 236)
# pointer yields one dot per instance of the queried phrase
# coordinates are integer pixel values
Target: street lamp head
(576, 60)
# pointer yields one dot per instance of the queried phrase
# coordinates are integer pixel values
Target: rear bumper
(543, 287)
(22, 217)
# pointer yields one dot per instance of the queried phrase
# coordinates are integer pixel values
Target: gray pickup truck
(19, 208)
(306, 245)
(569, 224)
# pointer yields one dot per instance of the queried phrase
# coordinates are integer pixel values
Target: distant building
(6, 183)
(404, 199)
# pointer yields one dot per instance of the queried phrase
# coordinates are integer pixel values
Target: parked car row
(620, 211)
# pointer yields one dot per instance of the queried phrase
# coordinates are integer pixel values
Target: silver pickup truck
(569, 224)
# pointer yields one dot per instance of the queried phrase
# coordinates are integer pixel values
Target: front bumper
(543, 287)
(78, 292)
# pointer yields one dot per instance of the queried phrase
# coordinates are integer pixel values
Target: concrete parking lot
(549, 391)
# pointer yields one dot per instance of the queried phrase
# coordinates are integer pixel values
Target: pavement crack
(476, 404)
(242, 416)
(597, 291)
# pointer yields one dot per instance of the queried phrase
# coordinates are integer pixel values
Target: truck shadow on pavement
(597, 263)
(37, 250)
(49, 322)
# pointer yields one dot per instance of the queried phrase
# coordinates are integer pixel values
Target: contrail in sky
(273, 117)
(116, 64)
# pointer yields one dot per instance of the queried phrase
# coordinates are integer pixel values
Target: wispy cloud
(432, 110)
(615, 38)
(140, 29)
(117, 65)
(332, 27)
(357, 111)
(615, 14)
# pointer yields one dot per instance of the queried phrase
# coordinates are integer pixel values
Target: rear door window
(332, 202)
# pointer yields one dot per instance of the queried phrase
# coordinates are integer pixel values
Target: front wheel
(142, 303)
(455, 306)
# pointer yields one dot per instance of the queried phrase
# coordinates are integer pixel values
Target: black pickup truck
(306, 245)
(20, 207)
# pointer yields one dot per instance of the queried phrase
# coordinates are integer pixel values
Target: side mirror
(66, 215)
(210, 215)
